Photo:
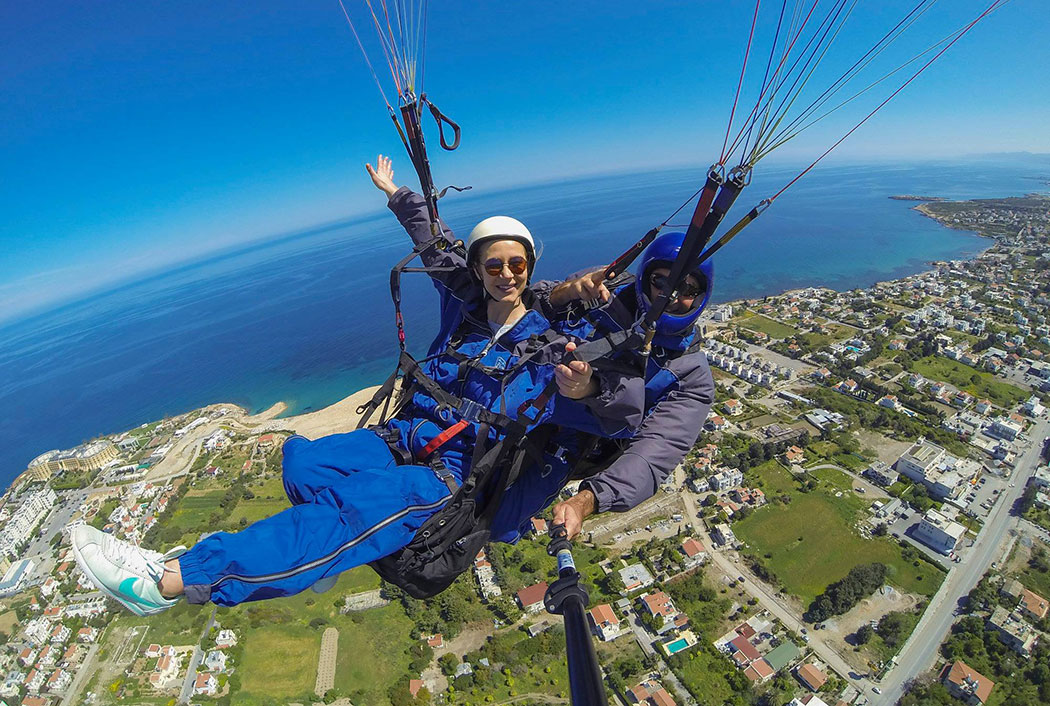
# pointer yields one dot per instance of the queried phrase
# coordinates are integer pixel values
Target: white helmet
(501, 228)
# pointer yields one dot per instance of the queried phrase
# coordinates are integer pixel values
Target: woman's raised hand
(383, 175)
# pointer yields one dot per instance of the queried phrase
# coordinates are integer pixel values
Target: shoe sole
(83, 564)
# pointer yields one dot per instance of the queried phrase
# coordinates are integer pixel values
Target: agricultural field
(983, 385)
(811, 542)
(269, 500)
(773, 329)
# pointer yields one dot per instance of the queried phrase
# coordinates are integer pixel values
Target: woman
(354, 501)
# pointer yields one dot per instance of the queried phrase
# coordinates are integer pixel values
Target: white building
(723, 534)
(726, 479)
(939, 533)
(19, 528)
(944, 475)
(1004, 429)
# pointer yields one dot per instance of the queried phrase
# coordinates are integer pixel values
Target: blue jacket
(464, 331)
(679, 392)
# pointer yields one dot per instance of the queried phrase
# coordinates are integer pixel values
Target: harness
(447, 543)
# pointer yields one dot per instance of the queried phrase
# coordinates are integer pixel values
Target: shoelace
(134, 558)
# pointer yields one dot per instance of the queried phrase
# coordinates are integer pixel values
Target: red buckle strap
(438, 441)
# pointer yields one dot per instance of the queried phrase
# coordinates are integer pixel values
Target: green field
(773, 329)
(811, 542)
(280, 663)
(269, 500)
(963, 376)
(281, 639)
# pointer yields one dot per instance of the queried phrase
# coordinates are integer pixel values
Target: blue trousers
(351, 504)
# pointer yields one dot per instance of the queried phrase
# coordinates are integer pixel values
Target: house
(649, 693)
(694, 552)
(847, 387)
(215, 661)
(723, 535)
(794, 455)
(759, 671)
(539, 525)
(881, 473)
(811, 677)
(153, 651)
(436, 641)
(1033, 605)
(809, 700)
(725, 479)
(660, 606)
(733, 407)
(743, 652)
(225, 639)
(87, 635)
(716, 422)
(1013, 631)
(414, 685)
(635, 577)
(890, 402)
(531, 598)
(59, 680)
(34, 701)
(604, 622)
(964, 683)
(939, 533)
(206, 685)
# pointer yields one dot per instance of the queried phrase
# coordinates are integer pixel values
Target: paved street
(920, 652)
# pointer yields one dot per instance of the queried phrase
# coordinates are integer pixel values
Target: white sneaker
(123, 570)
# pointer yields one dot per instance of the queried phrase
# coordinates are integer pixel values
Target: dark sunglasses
(517, 265)
(688, 290)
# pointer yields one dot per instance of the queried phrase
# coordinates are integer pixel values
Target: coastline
(342, 415)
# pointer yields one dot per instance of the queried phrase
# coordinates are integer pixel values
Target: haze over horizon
(141, 137)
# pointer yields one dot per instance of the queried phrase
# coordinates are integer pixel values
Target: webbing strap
(438, 441)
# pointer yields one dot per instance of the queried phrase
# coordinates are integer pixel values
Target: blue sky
(141, 134)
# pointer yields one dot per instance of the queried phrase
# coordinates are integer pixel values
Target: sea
(306, 319)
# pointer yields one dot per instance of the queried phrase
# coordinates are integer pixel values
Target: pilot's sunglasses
(688, 290)
(517, 265)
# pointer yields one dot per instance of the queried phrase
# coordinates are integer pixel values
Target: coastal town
(864, 520)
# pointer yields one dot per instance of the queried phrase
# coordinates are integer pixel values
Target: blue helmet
(661, 253)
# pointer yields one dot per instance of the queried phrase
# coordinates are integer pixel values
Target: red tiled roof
(960, 674)
(811, 676)
(691, 547)
(533, 594)
(745, 648)
(1034, 603)
(660, 697)
(603, 614)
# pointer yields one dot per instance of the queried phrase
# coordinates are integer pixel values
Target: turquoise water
(677, 646)
(308, 319)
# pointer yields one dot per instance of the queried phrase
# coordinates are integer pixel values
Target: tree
(880, 529)
(864, 634)
(839, 597)
(448, 663)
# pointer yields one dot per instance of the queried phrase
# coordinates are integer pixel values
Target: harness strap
(438, 441)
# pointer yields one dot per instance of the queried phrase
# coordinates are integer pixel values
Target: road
(195, 660)
(85, 671)
(920, 652)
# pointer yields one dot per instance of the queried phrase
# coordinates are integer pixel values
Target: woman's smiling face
(503, 268)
